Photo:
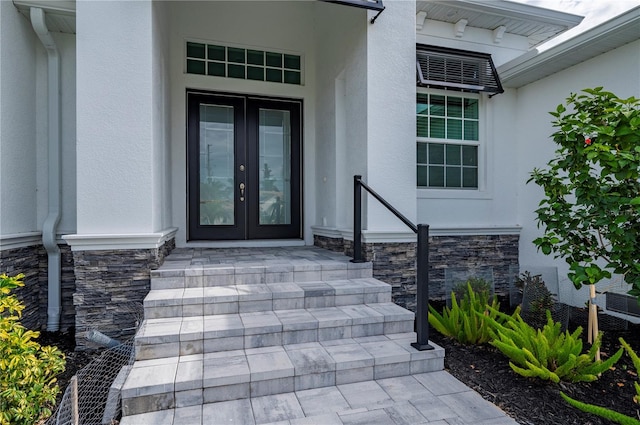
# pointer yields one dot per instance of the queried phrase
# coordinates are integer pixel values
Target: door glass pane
(216, 165)
(274, 147)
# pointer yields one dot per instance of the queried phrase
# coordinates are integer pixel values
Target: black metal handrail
(422, 260)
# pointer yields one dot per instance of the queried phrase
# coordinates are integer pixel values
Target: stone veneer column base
(394, 262)
(32, 262)
(105, 281)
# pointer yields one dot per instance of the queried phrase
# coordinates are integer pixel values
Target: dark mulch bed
(487, 371)
(76, 360)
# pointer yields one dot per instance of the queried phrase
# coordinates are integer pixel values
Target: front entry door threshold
(255, 243)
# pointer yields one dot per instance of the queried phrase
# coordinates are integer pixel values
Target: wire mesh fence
(93, 395)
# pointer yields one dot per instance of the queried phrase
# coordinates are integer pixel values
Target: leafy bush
(603, 411)
(591, 205)
(463, 321)
(547, 353)
(27, 370)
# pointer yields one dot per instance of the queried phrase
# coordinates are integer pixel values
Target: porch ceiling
(60, 15)
(535, 23)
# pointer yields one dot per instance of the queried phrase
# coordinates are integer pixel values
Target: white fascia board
(61, 7)
(533, 60)
(515, 10)
(93, 242)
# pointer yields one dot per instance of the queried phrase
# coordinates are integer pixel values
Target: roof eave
(509, 9)
(62, 7)
(524, 69)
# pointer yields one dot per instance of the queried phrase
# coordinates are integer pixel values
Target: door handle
(241, 192)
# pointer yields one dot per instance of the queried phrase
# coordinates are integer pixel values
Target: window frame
(283, 69)
(483, 163)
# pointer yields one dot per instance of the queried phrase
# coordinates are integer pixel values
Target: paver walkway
(287, 336)
(434, 398)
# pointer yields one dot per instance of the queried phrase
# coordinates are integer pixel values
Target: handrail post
(357, 220)
(422, 296)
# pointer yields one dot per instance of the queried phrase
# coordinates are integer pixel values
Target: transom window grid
(243, 63)
(447, 141)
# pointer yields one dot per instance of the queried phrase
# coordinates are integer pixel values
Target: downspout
(50, 225)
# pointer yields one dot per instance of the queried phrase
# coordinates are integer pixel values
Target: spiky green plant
(636, 364)
(547, 353)
(603, 412)
(463, 320)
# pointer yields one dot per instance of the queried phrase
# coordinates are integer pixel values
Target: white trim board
(104, 242)
(369, 236)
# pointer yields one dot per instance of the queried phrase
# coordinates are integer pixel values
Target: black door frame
(246, 214)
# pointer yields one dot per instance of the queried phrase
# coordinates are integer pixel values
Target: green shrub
(536, 299)
(547, 353)
(27, 370)
(478, 285)
(463, 320)
(603, 411)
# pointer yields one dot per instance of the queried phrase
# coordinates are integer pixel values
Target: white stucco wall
(492, 208)
(18, 165)
(281, 26)
(618, 71)
(473, 39)
(24, 123)
(66, 44)
(116, 150)
(161, 117)
(341, 96)
(391, 120)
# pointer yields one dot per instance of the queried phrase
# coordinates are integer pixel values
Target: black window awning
(454, 69)
(364, 4)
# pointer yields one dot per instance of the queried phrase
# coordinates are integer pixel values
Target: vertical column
(114, 117)
(391, 90)
(121, 162)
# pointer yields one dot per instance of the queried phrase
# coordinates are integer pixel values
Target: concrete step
(171, 337)
(178, 275)
(246, 298)
(191, 380)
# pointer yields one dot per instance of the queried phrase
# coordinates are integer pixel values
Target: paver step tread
(272, 370)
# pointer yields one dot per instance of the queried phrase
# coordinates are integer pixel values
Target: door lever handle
(242, 192)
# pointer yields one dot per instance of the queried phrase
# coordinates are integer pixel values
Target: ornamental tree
(591, 206)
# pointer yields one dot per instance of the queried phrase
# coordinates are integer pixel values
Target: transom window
(246, 64)
(448, 134)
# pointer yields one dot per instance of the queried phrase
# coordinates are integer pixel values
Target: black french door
(243, 165)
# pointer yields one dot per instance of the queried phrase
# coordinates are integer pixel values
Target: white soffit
(535, 23)
(60, 15)
(534, 65)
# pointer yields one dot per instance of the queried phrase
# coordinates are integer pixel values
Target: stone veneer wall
(394, 263)
(32, 261)
(107, 281)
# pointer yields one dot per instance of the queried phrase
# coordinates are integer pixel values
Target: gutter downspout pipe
(50, 225)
